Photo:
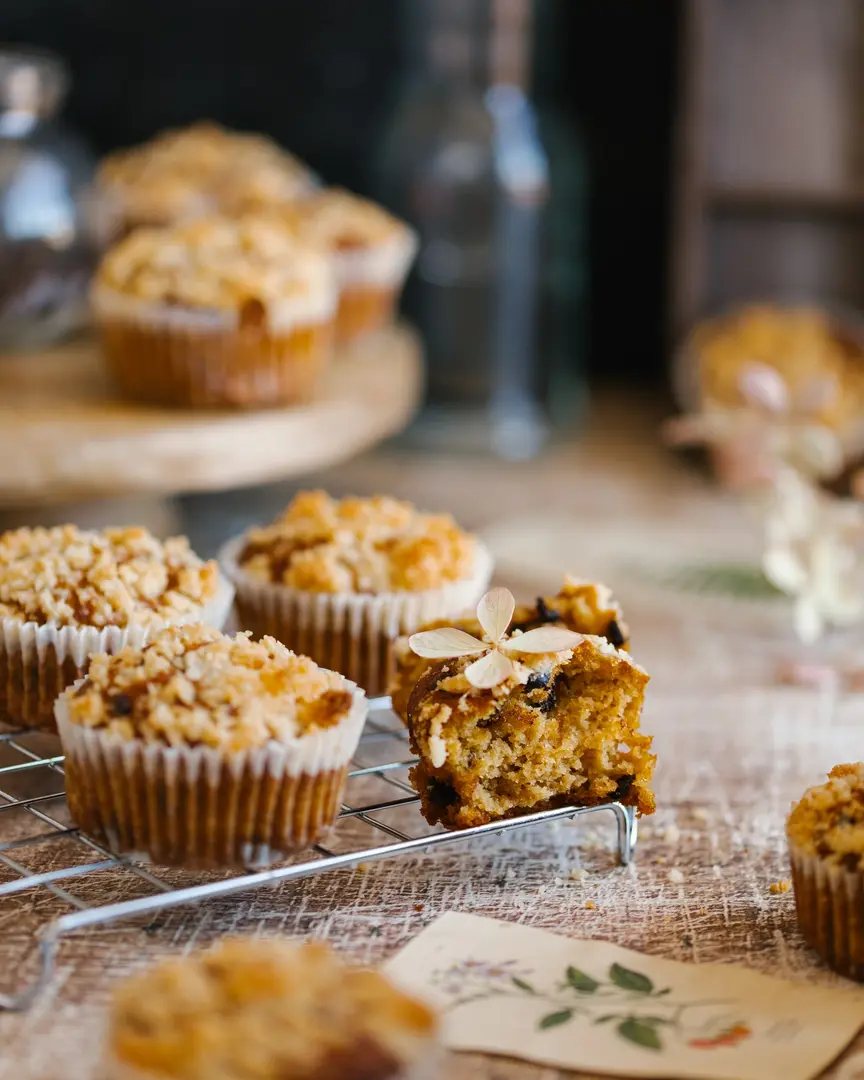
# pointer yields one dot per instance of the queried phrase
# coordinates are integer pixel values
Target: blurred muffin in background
(216, 312)
(372, 252)
(801, 344)
(198, 170)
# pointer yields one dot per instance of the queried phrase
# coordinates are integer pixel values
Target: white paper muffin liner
(352, 633)
(202, 807)
(38, 661)
(383, 265)
(829, 901)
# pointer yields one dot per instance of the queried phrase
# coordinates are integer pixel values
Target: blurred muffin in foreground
(196, 171)
(216, 312)
(267, 1010)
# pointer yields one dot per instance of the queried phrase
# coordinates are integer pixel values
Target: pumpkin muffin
(340, 580)
(267, 1010)
(587, 607)
(525, 721)
(203, 750)
(67, 593)
(216, 312)
(196, 171)
(826, 846)
(371, 251)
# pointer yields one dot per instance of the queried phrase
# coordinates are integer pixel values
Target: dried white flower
(774, 427)
(814, 551)
(493, 667)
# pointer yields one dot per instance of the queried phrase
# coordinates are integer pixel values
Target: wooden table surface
(734, 749)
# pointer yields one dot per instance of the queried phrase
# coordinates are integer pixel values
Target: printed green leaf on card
(630, 980)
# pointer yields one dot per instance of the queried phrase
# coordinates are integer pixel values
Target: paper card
(592, 1006)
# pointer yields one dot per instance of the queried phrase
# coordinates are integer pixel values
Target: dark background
(321, 77)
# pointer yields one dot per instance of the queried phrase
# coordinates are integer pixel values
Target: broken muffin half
(521, 722)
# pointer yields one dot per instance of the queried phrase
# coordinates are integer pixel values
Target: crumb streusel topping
(250, 267)
(829, 819)
(340, 220)
(194, 686)
(72, 577)
(192, 171)
(262, 1009)
(376, 545)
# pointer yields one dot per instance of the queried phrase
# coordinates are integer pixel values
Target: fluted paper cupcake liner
(201, 807)
(197, 367)
(38, 662)
(830, 905)
(352, 633)
(370, 280)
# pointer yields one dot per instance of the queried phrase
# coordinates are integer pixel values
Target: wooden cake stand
(66, 437)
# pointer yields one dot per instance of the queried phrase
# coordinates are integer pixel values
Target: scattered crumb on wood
(671, 834)
(781, 886)
(675, 876)
(577, 873)
(590, 905)
(701, 814)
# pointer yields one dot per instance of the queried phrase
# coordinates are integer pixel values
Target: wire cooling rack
(380, 819)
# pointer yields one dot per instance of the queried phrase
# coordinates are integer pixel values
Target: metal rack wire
(380, 802)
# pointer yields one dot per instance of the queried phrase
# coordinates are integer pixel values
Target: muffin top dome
(194, 686)
(374, 545)
(73, 577)
(828, 821)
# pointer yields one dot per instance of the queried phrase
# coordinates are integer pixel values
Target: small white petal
(495, 611)
(543, 639)
(489, 670)
(784, 571)
(445, 643)
(762, 385)
(809, 623)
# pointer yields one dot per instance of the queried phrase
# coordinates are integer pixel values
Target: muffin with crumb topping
(202, 169)
(341, 579)
(586, 607)
(371, 253)
(271, 1010)
(826, 846)
(204, 750)
(67, 593)
(216, 312)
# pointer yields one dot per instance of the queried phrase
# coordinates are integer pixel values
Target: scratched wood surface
(734, 749)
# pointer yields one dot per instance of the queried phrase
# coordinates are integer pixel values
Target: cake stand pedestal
(66, 438)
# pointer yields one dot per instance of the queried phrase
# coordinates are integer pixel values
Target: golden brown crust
(198, 169)
(267, 1010)
(583, 606)
(353, 545)
(193, 686)
(239, 266)
(72, 577)
(568, 735)
(828, 821)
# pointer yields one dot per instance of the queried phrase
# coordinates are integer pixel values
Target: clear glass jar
(464, 162)
(50, 228)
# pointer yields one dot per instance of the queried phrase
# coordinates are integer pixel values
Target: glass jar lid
(32, 83)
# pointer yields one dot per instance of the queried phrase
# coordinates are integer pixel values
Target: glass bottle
(49, 224)
(464, 163)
